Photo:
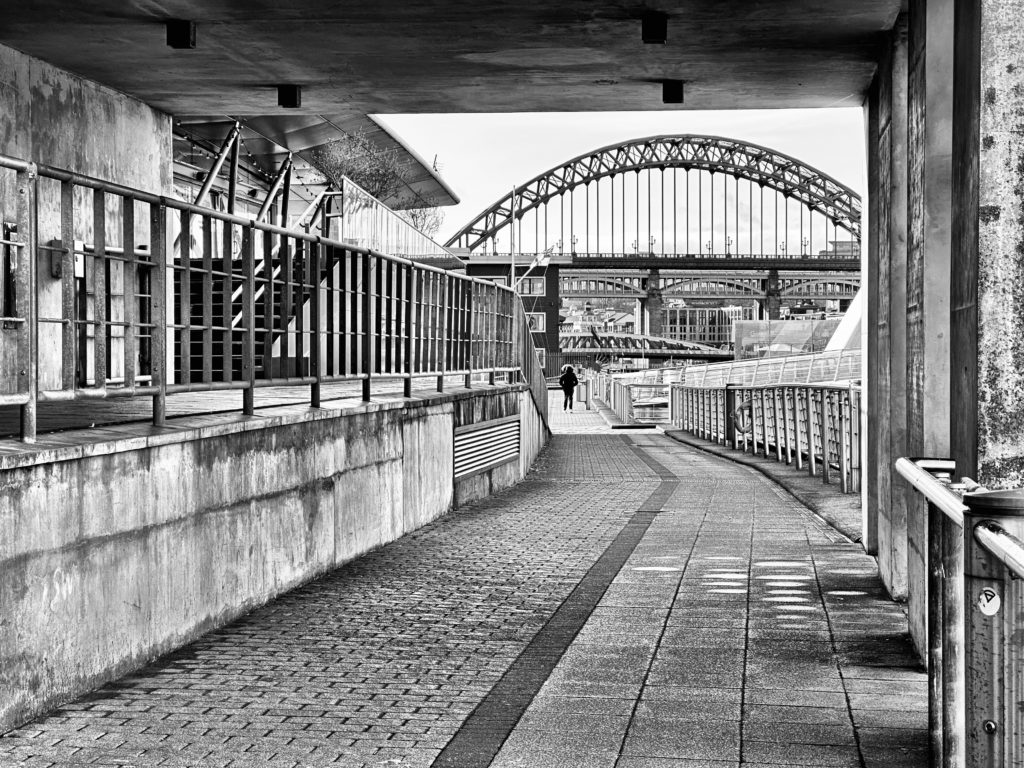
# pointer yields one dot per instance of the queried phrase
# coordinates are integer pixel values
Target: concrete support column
(552, 304)
(773, 296)
(886, 517)
(653, 304)
(930, 103)
(988, 242)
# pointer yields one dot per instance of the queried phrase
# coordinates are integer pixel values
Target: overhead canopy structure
(267, 140)
(394, 56)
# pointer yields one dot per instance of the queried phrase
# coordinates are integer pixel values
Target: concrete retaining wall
(119, 552)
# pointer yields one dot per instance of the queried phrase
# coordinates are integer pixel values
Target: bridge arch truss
(674, 195)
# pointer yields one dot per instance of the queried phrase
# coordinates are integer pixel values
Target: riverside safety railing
(815, 426)
(108, 291)
(975, 616)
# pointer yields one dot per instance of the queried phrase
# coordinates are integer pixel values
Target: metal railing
(147, 296)
(834, 366)
(975, 611)
(816, 426)
(367, 223)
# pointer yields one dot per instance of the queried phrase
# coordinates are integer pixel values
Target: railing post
(319, 341)
(809, 425)
(993, 647)
(367, 324)
(844, 472)
(69, 304)
(775, 424)
(764, 422)
(158, 311)
(25, 284)
(730, 416)
(785, 425)
(248, 318)
(443, 351)
(945, 627)
(471, 309)
(407, 339)
(825, 411)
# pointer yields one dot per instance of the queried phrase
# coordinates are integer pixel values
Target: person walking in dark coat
(568, 381)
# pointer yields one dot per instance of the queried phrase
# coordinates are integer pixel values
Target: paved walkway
(634, 603)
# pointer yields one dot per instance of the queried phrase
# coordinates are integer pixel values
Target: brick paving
(732, 627)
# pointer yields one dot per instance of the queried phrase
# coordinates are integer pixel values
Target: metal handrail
(939, 494)
(1002, 545)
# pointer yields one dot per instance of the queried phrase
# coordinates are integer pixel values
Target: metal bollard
(993, 636)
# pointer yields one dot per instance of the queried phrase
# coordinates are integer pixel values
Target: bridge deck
(634, 603)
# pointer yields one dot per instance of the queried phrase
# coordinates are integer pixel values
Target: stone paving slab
(728, 626)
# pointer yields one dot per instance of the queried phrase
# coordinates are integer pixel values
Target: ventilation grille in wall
(483, 446)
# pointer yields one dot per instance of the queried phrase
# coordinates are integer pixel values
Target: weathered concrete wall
(887, 308)
(988, 242)
(53, 117)
(929, 137)
(119, 552)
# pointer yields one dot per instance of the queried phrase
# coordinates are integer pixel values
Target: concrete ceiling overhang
(396, 56)
(354, 60)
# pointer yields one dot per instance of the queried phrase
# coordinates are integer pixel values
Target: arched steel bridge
(634, 345)
(588, 206)
(700, 284)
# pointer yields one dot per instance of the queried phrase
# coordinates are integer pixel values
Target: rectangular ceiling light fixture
(181, 33)
(654, 27)
(672, 91)
(289, 96)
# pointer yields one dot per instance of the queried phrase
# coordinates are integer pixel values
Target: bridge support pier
(650, 320)
(773, 296)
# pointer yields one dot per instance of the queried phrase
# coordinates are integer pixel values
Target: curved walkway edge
(840, 510)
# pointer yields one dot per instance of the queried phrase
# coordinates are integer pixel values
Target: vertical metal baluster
(444, 333)
(493, 332)
(854, 422)
(288, 254)
(26, 300)
(227, 309)
(129, 286)
(823, 417)
(330, 264)
(470, 295)
(355, 268)
(390, 329)
(797, 432)
(269, 324)
(367, 324)
(207, 299)
(762, 401)
(843, 454)
(407, 339)
(811, 460)
(776, 422)
(184, 273)
(249, 319)
(158, 310)
(302, 256)
(99, 288)
(785, 425)
(317, 339)
(70, 375)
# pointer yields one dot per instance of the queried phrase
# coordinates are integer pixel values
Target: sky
(482, 156)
